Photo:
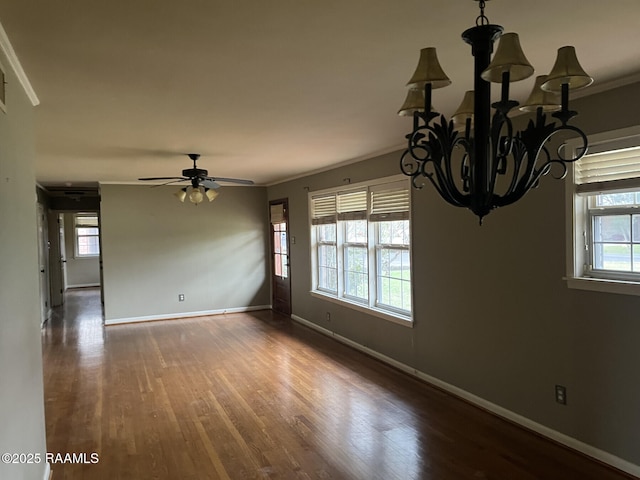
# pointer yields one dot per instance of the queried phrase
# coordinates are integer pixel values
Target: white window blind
(277, 213)
(612, 170)
(390, 204)
(323, 209)
(352, 205)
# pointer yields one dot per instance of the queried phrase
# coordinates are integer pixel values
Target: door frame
(279, 303)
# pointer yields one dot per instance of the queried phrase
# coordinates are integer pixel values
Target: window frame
(580, 214)
(76, 236)
(371, 304)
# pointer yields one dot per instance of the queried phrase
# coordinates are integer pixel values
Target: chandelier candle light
(490, 152)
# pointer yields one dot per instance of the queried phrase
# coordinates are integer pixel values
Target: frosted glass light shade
(196, 196)
(181, 194)
(428, 71)
(211, 194)
(539, 98)
(567, 70)
(510, 58)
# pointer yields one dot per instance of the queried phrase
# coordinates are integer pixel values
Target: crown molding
(12, 58)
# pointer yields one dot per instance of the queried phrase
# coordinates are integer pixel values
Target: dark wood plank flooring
(252, 396)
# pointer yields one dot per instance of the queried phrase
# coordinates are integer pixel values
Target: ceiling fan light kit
(476, 160)
(202, 185)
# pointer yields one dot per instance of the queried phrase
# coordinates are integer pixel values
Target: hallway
(244, 396)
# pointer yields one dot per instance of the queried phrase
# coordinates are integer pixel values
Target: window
(87, 234)
(361, 247)
(605, 248)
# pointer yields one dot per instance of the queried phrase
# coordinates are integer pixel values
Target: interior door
(280, 273)
(43, 264)
(57, 267)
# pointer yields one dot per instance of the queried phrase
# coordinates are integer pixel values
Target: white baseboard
(554, 435)
(47, 471)
(169, 316)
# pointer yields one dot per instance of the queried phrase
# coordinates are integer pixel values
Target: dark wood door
(280, 271)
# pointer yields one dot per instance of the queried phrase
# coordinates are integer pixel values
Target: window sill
(400, 320)
(604, 285)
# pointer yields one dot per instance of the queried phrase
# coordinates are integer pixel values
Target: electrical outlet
(328, 317)
(181, 297)
(561, 394)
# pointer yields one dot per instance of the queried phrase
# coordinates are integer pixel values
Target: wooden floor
(250, 396)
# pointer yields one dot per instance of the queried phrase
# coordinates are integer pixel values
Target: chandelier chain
(482, 19)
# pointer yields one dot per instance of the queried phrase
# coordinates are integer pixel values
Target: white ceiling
(267, 90)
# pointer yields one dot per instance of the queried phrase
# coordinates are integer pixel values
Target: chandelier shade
(476, 160)
(413, 103)
(428, 71)
(509, 58)
(539, 98)
(566, 71)
(465, 110)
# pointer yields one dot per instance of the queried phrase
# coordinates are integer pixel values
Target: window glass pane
(276, 242)
(86, 231)
(356, 275)
(327, 232)
(636, 227)
(394, 233)
(615, 199)
(356, 231)
(636, 258)
(612, 256)
(612, 228)
(327, 268)
(88, 246)
(394, 278)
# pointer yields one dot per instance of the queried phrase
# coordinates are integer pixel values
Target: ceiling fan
(201, 183)
(198, 176)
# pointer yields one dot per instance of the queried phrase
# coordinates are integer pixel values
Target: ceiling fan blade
(170, 182)
(164, 178)
(208, 183)
(231, 180)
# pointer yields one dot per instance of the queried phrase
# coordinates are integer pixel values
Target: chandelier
(476, 160)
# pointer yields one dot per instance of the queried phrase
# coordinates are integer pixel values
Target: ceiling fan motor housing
(194, 172)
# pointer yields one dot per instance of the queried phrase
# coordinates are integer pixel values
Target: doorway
(280, 273)
(43, 265)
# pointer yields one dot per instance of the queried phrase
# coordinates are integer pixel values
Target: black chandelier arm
(518, 154)
(441, 186)
(409, 166)
(444, 139)
(416, 168)
(430, 146)
(581, 151)
(533, 148)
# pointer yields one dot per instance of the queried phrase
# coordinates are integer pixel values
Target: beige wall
(80, 271)
(493, 315)
(22, 427)
(154, 248)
